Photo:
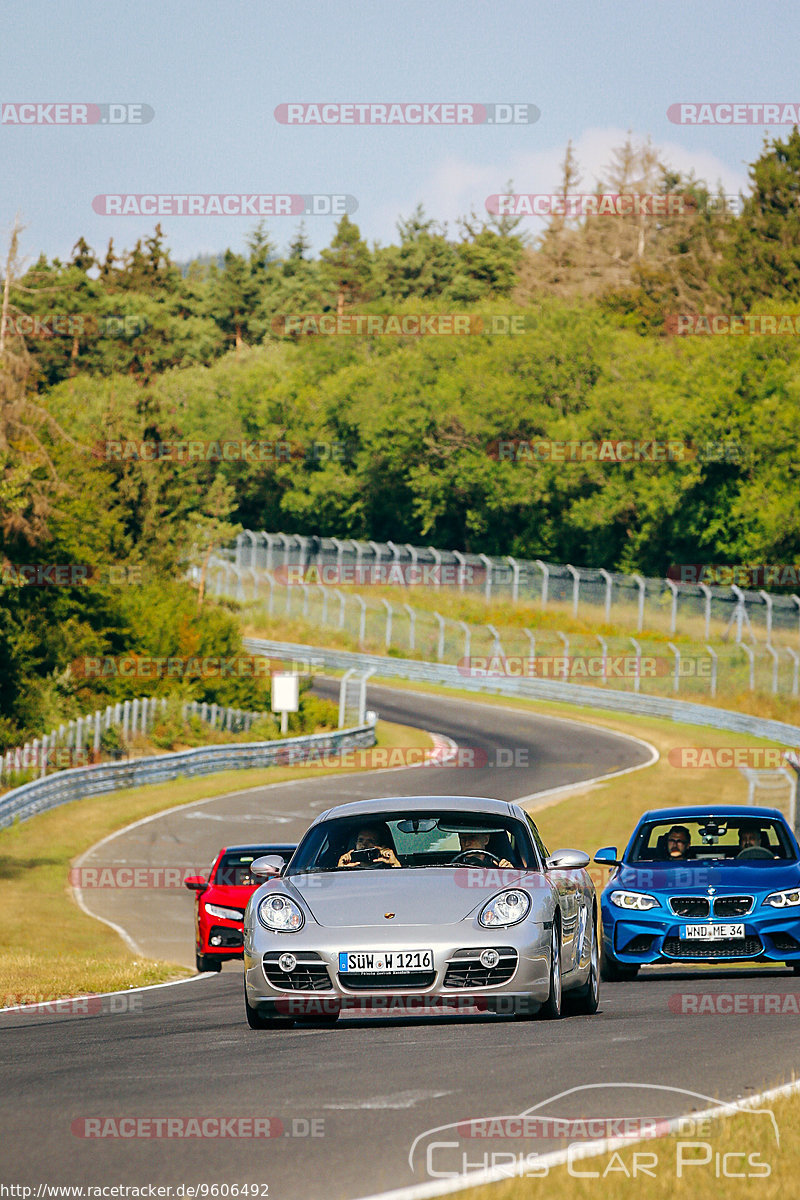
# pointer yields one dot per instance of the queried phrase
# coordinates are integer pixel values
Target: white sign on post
(285, 696)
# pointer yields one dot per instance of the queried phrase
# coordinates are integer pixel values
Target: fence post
(637, 681)
(714, 657)
(604, 648)
(388, 622)
(765, 596)
(609, 584)
(796, 660)
(515, 582)
(543, 567)
(440, 645)
(462, 568)
(324, 591)
(640, 583)
(576, 587)
(774, 653)
(412, 618)
(487, 592)
(126, 719)
(437, 562)
(96, 740)
(467, 637)
(497, 647)
(565, 640)
(342, 602)
(749, 654)
(45, 751)
(796, 600)
(342, 695)
(706, 590)
(673, 620)
(134, 714)
(677, 653)
(362, 627)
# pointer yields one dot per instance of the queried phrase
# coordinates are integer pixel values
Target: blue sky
(214, 71)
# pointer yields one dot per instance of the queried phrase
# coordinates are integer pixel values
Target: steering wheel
(465, 854)
(754, 852)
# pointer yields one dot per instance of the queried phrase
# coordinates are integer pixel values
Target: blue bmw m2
(702, 885)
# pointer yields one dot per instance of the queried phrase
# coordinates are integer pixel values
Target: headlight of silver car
(633, 901)
(279, 914)
(788, 899)
(228, 914)
(506, 909)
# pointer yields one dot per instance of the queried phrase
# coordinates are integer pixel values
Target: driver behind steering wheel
(474, 845)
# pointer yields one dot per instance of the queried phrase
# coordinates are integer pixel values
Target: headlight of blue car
(509, 908)
(633, 901)
(788, 899)
(279, 914)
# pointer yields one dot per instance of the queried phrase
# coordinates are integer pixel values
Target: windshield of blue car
(430, 839)
(739, 840)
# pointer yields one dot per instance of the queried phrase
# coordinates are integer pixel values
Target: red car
(222, 899)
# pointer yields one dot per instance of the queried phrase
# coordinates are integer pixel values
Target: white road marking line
(398, 1100)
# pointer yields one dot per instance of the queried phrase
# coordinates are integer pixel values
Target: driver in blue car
(678, 840)
(373, 848)
(474, 847)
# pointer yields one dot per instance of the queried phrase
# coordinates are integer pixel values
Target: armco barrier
(578, 694)
(41, 794)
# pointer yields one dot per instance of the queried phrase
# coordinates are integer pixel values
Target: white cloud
(456, 186)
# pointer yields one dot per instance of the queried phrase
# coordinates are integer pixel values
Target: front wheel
(613, 971)
(586, 998)
(257, 1020)
(552, 1007)
(207, 962)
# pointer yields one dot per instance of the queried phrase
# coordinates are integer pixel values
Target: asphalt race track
(347, 1103)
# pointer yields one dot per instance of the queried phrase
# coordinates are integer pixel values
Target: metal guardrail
(75, 784)
(581, 695)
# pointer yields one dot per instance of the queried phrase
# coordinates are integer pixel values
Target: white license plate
(390, 962)
(712, 933)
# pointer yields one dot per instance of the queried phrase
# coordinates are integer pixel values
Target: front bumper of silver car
(472, 967)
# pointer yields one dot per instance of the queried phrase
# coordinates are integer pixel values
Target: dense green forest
(389, 436)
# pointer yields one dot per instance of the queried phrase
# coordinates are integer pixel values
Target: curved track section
(348, 1102)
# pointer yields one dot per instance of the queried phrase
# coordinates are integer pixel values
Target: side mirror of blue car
(607, 856)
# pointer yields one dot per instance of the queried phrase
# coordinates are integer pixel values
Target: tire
(257, 1020)
(207, 962)
(586, 998)
(613, 971)
(552, 1008)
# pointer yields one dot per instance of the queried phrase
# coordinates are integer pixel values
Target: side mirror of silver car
(567, 860)
(269, 866)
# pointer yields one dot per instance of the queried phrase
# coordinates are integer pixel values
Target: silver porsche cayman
(421, 904)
